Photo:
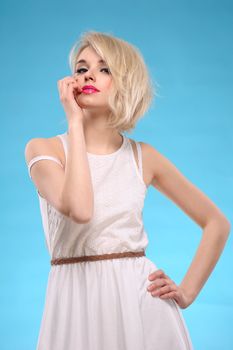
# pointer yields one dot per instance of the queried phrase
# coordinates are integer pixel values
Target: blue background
(188, 48)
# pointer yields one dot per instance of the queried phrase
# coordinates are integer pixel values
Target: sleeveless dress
(104, 304)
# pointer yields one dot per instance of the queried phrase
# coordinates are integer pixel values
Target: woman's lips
(89, 91)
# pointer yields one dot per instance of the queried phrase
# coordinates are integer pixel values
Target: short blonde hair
(133, 90)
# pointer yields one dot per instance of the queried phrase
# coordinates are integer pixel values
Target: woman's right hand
(68, 87)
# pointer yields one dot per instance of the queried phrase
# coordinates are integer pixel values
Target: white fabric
(42, 157)
(105, 305)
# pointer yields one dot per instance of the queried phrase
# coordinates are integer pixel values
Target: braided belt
(72, 260)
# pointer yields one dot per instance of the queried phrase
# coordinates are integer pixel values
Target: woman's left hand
(165, 288)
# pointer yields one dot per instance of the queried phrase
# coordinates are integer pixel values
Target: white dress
(104, 304)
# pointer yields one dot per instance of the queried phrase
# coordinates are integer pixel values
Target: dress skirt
(105, 305)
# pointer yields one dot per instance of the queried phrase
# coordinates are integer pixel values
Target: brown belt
(75, 259)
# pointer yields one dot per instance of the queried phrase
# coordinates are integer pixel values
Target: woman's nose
(88, 78)
(89, 75)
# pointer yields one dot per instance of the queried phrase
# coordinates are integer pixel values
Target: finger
(155, 274)
(63, 88)
(68, 77)
(168, 295)
(72, 90)
(163, 290)
(168, 279)
(160, 282)
(74, 82)
(60, 90)
(67, 80)
(60, 84)
(77, 87)
(67, 87)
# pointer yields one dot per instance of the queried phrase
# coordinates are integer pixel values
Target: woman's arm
(77, 192)
(214, 237)
(69, 191)
(216, 227)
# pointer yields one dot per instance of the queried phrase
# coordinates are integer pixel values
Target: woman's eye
(81, 69)
(106, 69)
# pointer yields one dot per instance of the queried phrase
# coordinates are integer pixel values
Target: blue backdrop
(188, 48)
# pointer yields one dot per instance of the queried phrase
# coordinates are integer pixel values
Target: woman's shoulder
(151, 160)
(155, 162)
(44, 145)
(150, 151)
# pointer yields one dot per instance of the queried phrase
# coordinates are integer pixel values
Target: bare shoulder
(154, 163)
(47, 146)
(151, 161)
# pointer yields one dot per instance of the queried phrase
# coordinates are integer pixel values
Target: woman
(103, 292)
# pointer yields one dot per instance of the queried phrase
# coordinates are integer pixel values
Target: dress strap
(139, 152)
(63, 140)
(37, 158)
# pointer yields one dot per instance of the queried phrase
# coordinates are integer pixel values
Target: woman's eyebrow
(84, 61)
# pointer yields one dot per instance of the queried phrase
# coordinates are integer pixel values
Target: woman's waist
(106, 256)
(85, 245)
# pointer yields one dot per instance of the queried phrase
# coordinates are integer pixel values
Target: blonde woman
(103, 292)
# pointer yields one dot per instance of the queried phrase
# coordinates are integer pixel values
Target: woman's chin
(87, 104)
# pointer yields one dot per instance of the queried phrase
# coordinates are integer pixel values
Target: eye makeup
(78, 71)
(85, 62)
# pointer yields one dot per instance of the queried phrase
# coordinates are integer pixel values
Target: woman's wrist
(75, 123)
(190, 296)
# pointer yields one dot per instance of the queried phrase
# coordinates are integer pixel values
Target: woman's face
(92, 71)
